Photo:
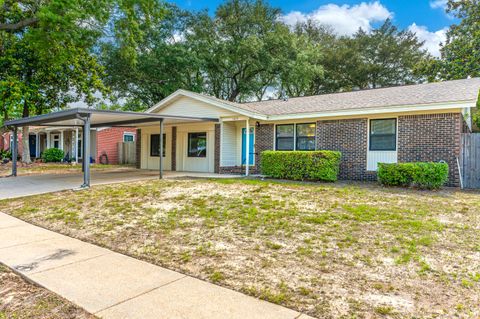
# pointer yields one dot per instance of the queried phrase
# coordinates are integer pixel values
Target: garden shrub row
(301, 165)
(424, 175)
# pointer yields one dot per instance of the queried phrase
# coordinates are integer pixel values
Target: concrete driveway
(11, 187)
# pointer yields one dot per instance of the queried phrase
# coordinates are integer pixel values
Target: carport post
(161, 149)
(14, 152)
(86, 153)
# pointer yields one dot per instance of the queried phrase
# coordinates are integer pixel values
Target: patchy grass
(329, 250)
(19, 299)
(54, 168)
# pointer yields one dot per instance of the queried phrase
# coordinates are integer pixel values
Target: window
(299, 137)
(383, 135)
(306, 137)
(285, 137)
(128, 137)
(197, 144)
(56, 140)
(155, 145)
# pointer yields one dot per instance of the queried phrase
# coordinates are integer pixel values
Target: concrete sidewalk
(111, 285)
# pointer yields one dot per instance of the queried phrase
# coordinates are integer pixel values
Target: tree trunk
(26, 145)
(25, 136)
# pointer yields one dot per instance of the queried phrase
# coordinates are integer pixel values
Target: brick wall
(264, 140)
(217, 148)
(431, 137)
(107, 140)
(174, 148)
(138, 149)
(350, 138)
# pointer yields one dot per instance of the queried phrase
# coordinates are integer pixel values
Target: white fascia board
(373, 111)
(198, 97)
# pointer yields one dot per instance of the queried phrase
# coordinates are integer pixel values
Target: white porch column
(37, 145)
(48, 140)
(247, 147)
(61, 140)
(76, 145)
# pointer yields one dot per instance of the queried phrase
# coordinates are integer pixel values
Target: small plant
(53, 155)
(217, 276)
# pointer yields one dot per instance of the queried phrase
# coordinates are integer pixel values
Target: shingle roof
(438, 92)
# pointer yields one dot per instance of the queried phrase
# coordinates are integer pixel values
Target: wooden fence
(126, 153)
(470, 162)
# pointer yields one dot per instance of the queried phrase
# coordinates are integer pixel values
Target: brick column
(264, 140)
(217, 148)
(138, 149)
(174, 148)
(431, 138)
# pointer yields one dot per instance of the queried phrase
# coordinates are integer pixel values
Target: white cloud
(345, 19)
(438, 4)
(432, 39)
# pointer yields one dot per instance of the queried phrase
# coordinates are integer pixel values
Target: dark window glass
(128, 137)
(197, 144)
(306, 137)
(155, 145)
(285, 140)
(383, 135)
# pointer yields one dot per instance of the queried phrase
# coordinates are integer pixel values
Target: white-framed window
(295, 137)
(383, 135)
(155, 145)
(56, 140)
(128, 137)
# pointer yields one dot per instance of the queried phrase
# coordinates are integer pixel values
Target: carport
(92, 118)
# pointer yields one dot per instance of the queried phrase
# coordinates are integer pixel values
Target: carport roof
(101, 118)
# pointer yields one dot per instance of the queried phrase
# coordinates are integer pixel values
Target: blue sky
(425, 17)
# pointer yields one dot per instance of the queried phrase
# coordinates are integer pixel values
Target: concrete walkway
(111, 285)
(11, 187)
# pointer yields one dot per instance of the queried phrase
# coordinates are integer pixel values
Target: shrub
(53, 155)
(430, 175)
(424, 175)
(301, 165)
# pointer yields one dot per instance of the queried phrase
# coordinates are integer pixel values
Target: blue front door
(250, 146)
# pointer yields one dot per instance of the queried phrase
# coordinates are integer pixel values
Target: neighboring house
(400, 124)
(104, 141)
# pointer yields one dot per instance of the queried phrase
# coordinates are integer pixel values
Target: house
(103, 147)
(421, 122)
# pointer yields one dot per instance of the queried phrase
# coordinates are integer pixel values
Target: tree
(460, 55)
(47, 50)
(240, 49)
(165, 64)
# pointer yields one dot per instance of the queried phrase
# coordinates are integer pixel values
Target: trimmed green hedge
(301, 165)
(53, 155)
(424, 175)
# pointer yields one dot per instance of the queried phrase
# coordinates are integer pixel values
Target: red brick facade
(428, 137)
(432, 137)
(107, 140)
(350, 138)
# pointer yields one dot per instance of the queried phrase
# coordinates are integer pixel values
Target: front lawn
(55, 168)
(329, 250)
(20, 299)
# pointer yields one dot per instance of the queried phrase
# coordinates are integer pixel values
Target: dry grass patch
(20, 299)
(328, 250)
(55, 168)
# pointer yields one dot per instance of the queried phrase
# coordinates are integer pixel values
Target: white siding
(194, 164)
(375, 157)
(229, 144)
(153, 162)
(186, 106)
